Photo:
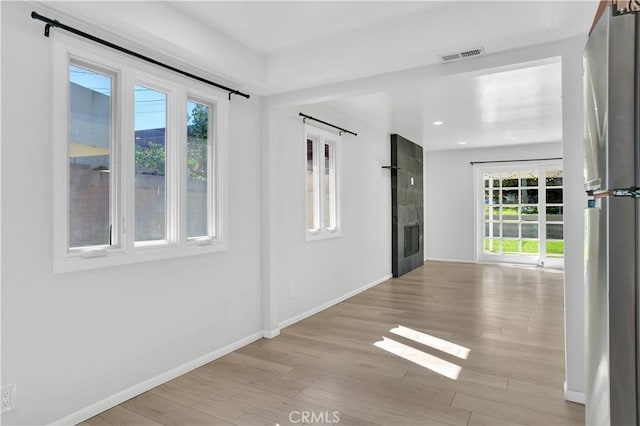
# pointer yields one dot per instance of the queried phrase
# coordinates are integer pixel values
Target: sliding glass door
(520, 213)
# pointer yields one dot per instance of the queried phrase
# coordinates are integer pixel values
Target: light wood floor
(509, 320)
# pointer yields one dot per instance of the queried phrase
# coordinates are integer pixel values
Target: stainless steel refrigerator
(612, 219)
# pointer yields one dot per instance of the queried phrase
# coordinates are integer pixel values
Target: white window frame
(320, 137)
(538, 259)
(214, 193)
(128, 72)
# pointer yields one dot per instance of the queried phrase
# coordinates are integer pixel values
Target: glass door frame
(541, 258)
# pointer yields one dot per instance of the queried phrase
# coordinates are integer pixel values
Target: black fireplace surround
(407, 206)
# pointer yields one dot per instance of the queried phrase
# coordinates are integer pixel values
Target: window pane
(509, 196)
(509, 213)
(555, 248)
(554, 214)
(553, 178)
(310, 186)
(491, 180)
(529, 230)
(554, 232)
(197, 169)
(529, 196)
(554, 196)
(496, 214)
(510, 230)
(530, 247)
(150, 157)
(89, 148)
(491, 213)
(510, 246)
(509, 180)
(491, 246)
(492, 229)
(529, 178)
(328, 188)
(529, 213)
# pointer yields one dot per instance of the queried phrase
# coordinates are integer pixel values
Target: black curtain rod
(52, 23)
(514, 161)
(308, 117)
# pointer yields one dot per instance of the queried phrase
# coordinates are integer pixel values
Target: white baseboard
(445, 259)
(135, 390)
(270, 334)
(329, 304)
(574, 396)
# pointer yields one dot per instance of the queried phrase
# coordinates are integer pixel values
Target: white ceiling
(272, 26)
(307, 44)
(497, 108)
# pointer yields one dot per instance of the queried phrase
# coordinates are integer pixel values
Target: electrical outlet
(8, 398)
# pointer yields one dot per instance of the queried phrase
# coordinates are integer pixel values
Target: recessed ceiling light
(462, 143)
(438, 123)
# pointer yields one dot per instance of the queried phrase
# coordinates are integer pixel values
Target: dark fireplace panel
(411, 240)
(407, 204)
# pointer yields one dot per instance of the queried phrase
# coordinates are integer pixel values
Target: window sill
(79, 261)
(322, 235)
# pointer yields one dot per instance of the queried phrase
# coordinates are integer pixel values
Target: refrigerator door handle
(632, 192)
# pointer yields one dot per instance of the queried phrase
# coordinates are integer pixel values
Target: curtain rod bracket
(48, 27)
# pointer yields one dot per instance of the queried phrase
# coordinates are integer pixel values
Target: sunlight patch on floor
(423, 359)
(432, 341)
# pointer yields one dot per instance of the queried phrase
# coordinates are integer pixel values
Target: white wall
(71, 340)
(312, 274)
(450, 213)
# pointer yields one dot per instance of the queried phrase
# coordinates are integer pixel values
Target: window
(150, 121)
(138, 161)
(200, 186)
(321, 183)
(89, 151)
(521, 214)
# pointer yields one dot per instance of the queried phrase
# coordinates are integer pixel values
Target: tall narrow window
(321, 183)
(89, 151)
(199, 198)
(150, 160)
(329, 188)
(311, 187)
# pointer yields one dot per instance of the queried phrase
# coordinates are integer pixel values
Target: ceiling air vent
(462, 54)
